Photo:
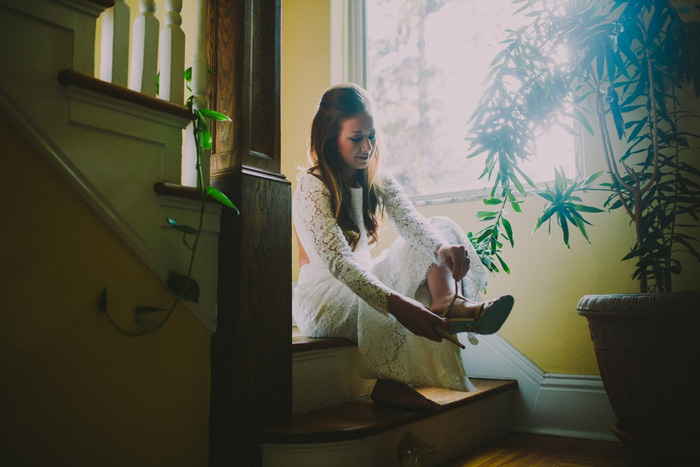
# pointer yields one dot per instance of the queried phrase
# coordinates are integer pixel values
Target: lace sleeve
(411, 224)
(324, 242)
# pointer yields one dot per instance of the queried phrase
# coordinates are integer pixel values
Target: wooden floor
(528, 450)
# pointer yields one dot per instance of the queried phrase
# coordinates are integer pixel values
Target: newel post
(251, 360)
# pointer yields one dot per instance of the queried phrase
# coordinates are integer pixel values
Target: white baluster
(144, 50)
(199, 59)
(171, 56)
(199, 74)
(114, 47)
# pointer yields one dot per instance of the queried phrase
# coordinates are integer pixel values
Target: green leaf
(147, 309)
(517, 183)
(544, 217)
(484, 234)
(610, 61)
(214, 115)
(505, 267)
(600, 61)
(584, 208)
(509, 230)
(516, 206)
(188, 74)
(584, 121)
(486, 215)
(188, 287)
(102, 301)
(632, 254)
(527, 179)
(613, 101)
(564, 228)
(204, 132)
(592, 178)
(581, 224)
(186, 229)
(491, 201)
(221, 198)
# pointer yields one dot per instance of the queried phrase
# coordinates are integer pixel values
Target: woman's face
(356, 142)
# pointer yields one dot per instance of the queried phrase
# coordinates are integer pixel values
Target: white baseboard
(546, 403)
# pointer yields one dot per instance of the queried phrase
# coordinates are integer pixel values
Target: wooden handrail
(301, 343)
(180, 191)
(104, 3)
(73, 78)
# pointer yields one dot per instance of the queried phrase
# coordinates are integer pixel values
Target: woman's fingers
(416, 318)
(458, 261)
(435, 322)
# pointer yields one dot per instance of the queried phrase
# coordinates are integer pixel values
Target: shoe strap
(452, 303)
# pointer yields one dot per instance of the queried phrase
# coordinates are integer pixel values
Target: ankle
(440, 304)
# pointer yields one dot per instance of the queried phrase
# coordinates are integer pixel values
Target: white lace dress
(343, 293)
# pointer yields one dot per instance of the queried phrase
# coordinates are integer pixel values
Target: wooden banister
(180, 191)
(73, 78)
(104, 3)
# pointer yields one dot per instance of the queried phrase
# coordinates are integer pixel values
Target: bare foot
(401, 395)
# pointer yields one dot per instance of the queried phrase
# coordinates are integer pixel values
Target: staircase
(335, 423)
(121, 149)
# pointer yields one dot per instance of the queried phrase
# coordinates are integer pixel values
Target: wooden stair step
(301, 343)
(325, 372)
(363, 418)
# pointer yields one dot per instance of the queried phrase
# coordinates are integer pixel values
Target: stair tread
(363, 418)
(301, 343)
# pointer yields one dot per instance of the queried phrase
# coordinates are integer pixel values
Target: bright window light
(427, 61)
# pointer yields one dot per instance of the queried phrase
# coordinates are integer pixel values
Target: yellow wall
(547, 279)
(73, 390)
(305, 76)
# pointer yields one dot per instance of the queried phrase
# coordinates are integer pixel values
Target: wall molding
(573, 405)
(546, 403)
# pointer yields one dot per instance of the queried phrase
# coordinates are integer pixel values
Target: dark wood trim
(251, 354)
(244, 52)
(363, 418)
(104, 3)
(73, 78)
(247, 169)
(180, 191)
(258, 172)
(301, 343)
(251, 364)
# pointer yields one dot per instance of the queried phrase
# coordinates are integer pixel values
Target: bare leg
(441, 287)
(401, 395)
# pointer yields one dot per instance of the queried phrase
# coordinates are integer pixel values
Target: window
(426, 61)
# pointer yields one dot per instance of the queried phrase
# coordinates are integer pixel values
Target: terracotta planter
(648, 351)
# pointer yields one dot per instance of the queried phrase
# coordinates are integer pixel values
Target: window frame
(349, 63)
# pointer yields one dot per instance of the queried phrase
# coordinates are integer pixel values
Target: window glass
(427, 60)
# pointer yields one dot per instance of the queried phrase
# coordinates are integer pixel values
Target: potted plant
(627, 72)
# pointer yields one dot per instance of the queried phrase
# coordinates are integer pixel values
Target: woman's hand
(415, 317)
(456, 259)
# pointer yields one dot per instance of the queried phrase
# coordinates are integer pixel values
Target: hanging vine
(185, 287)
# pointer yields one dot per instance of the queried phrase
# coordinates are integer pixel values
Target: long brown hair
(338, 104)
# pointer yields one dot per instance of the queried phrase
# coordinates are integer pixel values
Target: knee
(447, 227)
